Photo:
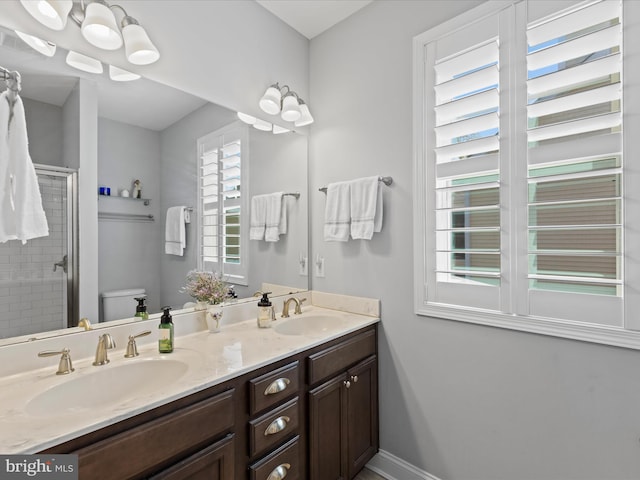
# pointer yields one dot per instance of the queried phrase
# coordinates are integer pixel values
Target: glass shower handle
(62, 263)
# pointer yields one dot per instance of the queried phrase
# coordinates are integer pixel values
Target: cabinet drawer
(158, 442)
(270, 429)
(212, 463)
(269, 389)
(284, 462)
(341, 356)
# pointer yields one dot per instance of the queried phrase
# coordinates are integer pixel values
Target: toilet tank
(119, 304)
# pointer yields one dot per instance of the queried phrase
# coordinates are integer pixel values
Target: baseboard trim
(394, 468)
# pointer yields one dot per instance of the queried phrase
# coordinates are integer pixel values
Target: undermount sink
(107, 385)
(308, 325)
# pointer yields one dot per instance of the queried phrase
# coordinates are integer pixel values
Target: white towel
(337, 212)
(258, 217)
(366, 207)
(268, 217)
(276, 222)
(174, 231)
(21, 214)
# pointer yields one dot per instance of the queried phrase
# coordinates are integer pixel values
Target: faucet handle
(65, 365)
(132, 348)
(298, 309)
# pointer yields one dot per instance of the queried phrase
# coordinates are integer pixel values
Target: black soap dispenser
(141, 309)
(266, 314)
(165, 341)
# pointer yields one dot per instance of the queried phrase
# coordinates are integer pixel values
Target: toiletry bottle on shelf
(265, 311)
(165, 341)
(141, 309)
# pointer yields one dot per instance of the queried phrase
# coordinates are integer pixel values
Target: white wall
(457, 400)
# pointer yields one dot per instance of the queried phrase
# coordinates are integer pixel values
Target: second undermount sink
(108, 385)
(307, 325)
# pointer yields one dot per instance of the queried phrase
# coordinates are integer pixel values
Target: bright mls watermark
(51, 467)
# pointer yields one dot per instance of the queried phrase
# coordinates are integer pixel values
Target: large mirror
(159, 136)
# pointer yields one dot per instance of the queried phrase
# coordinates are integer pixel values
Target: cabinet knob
(278, 425)
(354, 378)
(347, 383)
(279, 472)
(277, 386)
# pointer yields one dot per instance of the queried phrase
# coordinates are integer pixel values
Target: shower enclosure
(38, 280)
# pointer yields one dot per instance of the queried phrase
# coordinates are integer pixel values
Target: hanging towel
(258, 217)
(366, 207)
(174, 231)
(337, 212)
(276, 222)
(21, 214)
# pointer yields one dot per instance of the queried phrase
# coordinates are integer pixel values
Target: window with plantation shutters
(222, 208)
(575, 161)
(464, 122)
(526, 205)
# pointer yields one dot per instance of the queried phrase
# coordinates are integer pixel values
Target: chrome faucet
(297, 310)
(104, 343)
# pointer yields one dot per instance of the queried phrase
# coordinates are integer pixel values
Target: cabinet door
(212, 463)
(362, 414)
(327, 430)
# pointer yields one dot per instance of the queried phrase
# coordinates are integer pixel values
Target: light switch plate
(303, 262)
(319, 267)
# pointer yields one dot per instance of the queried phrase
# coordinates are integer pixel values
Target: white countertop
(211, 359)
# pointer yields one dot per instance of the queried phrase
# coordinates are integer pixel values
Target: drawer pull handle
(354, 378)
(347, 383)
(279, 472)
(277, 386)
(278, 425)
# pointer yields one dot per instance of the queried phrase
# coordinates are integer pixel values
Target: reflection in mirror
(146, 132)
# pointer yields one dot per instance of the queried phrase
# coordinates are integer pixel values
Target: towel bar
(386, 180)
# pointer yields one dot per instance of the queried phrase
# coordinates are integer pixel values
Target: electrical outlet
(319, 267)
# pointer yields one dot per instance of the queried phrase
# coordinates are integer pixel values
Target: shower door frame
(71, 176)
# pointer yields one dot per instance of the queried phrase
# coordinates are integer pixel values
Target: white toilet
(119, 304)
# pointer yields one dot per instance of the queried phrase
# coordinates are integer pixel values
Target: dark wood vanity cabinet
(313, 416)
(343, 410)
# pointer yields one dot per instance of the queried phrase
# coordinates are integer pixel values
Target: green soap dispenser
(141, 309)
(165, 341)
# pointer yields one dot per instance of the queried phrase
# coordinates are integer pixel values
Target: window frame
(626, 336)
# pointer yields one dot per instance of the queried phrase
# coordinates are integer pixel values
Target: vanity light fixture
(98, 24)
(287, 103)
(119, 75)
(262, 125)
(84, 63)
(248, 119)
(50, 13)
(45, 48)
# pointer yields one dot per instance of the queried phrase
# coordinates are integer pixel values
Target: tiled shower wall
(32, 295)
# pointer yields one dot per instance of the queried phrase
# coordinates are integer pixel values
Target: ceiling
(312, 17)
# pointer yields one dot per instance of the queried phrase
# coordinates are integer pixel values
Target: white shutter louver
(465, 157)
(221, 204)
(574, 151)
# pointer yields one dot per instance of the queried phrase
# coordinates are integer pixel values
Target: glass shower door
(37, 279)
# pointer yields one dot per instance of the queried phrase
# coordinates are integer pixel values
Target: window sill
(601, 334)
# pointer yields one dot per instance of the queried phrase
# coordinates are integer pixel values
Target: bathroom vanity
(311, 412)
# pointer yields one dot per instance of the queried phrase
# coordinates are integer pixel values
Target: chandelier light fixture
(284, 101)
(98, 25)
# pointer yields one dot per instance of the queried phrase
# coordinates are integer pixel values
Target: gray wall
(44, 124)
(457, 400)
(128, 250)
(279, 163)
